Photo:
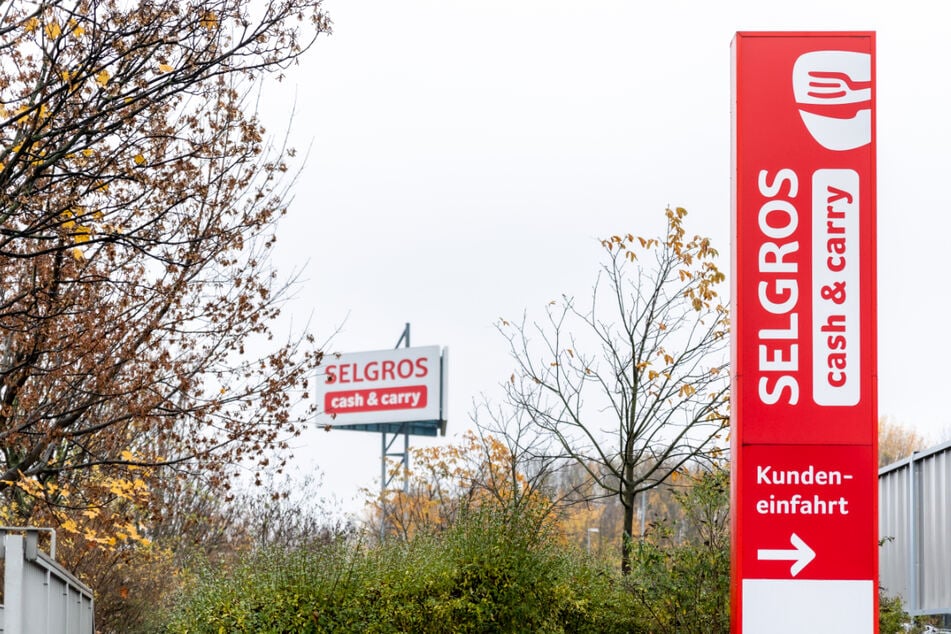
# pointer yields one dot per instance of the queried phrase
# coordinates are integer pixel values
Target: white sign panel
(836, 315)
(383, 386)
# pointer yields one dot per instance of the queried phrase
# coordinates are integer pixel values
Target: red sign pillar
(804, 428)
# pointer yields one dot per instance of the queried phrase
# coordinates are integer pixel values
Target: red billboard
(804, 333)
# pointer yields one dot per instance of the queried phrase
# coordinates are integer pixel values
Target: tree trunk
(627, 539)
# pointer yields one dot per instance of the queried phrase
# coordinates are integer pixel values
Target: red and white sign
(384, 386)
(804, 407)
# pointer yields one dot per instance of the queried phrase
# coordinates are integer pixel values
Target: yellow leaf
(81, 234)
(31, 25)
(75, 28)
(209, 20)
(139, 159)
(88, 152)
(52, 30)
(102, 78)
(78, 254)
(165, 68)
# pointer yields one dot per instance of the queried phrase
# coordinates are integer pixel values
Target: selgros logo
(834, 92)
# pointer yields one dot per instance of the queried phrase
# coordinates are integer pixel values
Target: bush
(489, 573)
(681, 588)
(892, 618)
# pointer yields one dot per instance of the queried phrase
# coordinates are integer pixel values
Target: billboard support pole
(403, 337)
(385, 452)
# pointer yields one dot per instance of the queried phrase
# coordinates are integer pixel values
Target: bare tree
(632, 386)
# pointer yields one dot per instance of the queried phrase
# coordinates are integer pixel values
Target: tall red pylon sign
(804, 396)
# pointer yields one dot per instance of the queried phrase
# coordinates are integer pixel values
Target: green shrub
(489, 573)
(681, 588)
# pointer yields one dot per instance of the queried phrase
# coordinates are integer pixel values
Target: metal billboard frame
(391, 432)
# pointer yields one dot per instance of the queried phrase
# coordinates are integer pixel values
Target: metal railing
(39, 595)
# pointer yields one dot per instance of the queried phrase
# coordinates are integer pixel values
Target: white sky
(467, 154)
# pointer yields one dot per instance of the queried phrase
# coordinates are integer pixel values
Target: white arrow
(801, 554)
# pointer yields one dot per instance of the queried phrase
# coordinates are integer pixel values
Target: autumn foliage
(897, 441)
(445, 483)
(139, 192)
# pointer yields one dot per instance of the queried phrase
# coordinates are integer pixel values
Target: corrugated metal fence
(914, 516)
(39, 595)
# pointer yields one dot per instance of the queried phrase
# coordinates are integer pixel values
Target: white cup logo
(830, 88)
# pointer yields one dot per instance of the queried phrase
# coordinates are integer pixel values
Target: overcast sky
(466, 155)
